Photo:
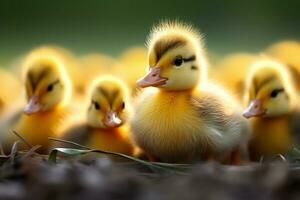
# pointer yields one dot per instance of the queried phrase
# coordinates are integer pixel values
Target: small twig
(23, 139)
(69, 142)
(281, 157)
(31, 151)
(14, 151)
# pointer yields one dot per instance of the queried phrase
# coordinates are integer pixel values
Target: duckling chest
(270, 137)
(109, 140)
(37, 128)
(167, 122)
(169, 113)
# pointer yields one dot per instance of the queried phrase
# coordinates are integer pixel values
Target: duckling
(182, 117)
(10, 91)
(271, 101)
(48, 91)
(130, 69)
(232, 71)
(91, 66)
(108, 110)
(65, 57)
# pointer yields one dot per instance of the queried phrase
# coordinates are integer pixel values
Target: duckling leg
(235, 157)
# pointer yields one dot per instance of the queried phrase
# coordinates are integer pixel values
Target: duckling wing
(224, 127)
(7, 123)
(78, 134)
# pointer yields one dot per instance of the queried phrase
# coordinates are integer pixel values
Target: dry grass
(29, 175)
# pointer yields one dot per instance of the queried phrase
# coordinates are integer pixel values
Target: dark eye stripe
(192, 58)
(164, 46)
(34, 81)
(55, 82)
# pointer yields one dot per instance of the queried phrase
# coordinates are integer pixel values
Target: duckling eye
(178, 61)
(96, 105)
(275, 92)
(123, 105)
(50, 88)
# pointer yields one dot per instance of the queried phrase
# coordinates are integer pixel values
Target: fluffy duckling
(107, 113)
(271, 99)
(183, 118)
(48, 91)
(91, 66)
(10, 91)
(130, 69)
(232, 71)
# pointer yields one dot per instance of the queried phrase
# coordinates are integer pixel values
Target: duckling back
(132, 62)
(232, 71)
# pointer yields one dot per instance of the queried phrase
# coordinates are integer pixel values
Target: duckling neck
(175, 92)
(52, 109)
(106, 130)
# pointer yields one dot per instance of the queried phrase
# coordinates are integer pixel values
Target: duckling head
(269, 91)
(47, 84)
(176, 58)
(108, 104)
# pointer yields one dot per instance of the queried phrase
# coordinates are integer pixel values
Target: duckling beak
(152, 78)
(255, 109)
(112, 120)
(33, 106)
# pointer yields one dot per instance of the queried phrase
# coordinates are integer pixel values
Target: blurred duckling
(47, 112)
(272, 103)
(10, 91)
(105, 127)
(65, 57)
(286, 51)
(232, 71)
(130, 69)
(184, 118)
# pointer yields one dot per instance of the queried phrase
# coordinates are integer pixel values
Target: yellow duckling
(184, 119)
(91, 66)
(108, 111)
(48, 91)
(10, 91)
(232, 71)
(130, 69)
(271, 99)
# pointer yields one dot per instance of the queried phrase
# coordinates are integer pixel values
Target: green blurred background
(111, 26)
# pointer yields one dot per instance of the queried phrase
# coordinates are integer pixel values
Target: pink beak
(33, 106)
(152, 78)
(255, 109)
(112, 120)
